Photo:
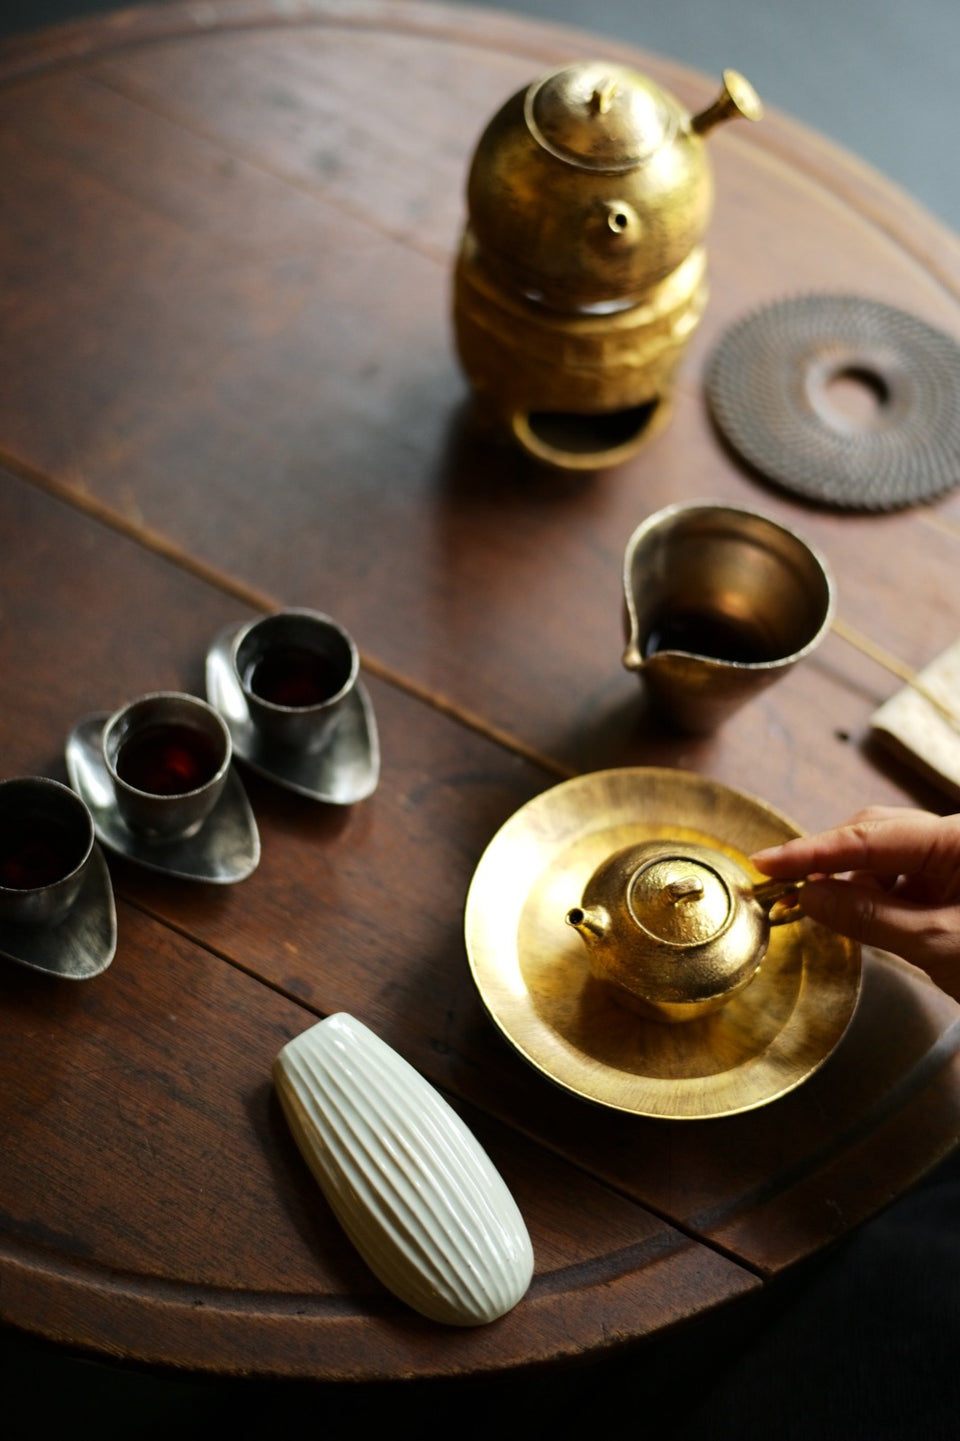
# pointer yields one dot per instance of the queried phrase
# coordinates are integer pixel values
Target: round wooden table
(225, 270)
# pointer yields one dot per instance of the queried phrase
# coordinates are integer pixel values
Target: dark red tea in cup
(168, 759)
(38, 852)
(296, 670)
(294, 676)
(168, 755)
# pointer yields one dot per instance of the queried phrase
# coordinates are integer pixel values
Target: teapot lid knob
(685, 888)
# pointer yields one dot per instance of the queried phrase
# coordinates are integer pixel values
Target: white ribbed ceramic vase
(415, 1192)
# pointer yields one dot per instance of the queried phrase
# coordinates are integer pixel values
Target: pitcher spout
(633, 658)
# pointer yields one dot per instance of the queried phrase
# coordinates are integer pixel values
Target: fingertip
(780, 862)
(768, 854)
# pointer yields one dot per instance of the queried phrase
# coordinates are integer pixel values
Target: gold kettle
(679, 928)
(581, 273)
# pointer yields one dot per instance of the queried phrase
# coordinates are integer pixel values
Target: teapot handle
(780, 900)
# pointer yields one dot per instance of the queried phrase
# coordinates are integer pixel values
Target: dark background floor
(864, 1345)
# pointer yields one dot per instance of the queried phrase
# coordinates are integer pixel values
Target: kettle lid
(599, 116)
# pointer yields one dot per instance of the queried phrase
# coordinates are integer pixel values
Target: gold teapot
(678, 929)
(582, 271)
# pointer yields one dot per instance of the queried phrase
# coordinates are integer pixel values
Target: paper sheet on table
(917, 731)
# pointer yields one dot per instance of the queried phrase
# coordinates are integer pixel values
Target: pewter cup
(168, 755)
(296, 669)
(720, 602)
(46, 840)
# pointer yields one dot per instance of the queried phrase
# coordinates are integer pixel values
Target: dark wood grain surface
(229, 385)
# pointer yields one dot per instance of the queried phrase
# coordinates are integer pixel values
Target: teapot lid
(680, 900)
(599, 116)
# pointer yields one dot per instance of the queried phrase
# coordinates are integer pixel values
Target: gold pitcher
(719, 602)
(581, 273)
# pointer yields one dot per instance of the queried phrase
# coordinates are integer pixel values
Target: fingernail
(766, 854)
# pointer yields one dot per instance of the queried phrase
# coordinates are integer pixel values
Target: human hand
(889, 877)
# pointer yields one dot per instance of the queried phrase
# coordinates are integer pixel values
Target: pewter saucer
(345, 770)
(83, 944)
(225, 849)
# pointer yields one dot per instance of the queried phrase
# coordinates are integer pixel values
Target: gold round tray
(533, 972)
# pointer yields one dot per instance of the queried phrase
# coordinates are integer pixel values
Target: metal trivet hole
(842, 400)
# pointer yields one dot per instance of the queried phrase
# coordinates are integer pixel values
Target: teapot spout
(593, 922)
(737, 97)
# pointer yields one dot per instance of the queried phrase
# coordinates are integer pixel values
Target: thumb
(920, 934)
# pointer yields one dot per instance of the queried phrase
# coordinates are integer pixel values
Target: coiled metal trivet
(769, 389)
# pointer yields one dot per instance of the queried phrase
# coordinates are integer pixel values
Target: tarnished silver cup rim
(189, 703)
(294, 614)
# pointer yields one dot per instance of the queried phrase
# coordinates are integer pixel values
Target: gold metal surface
(581, 274)
(679, 900)
(677, 928)
(737, 97)
(534, 975)
(719, 602)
